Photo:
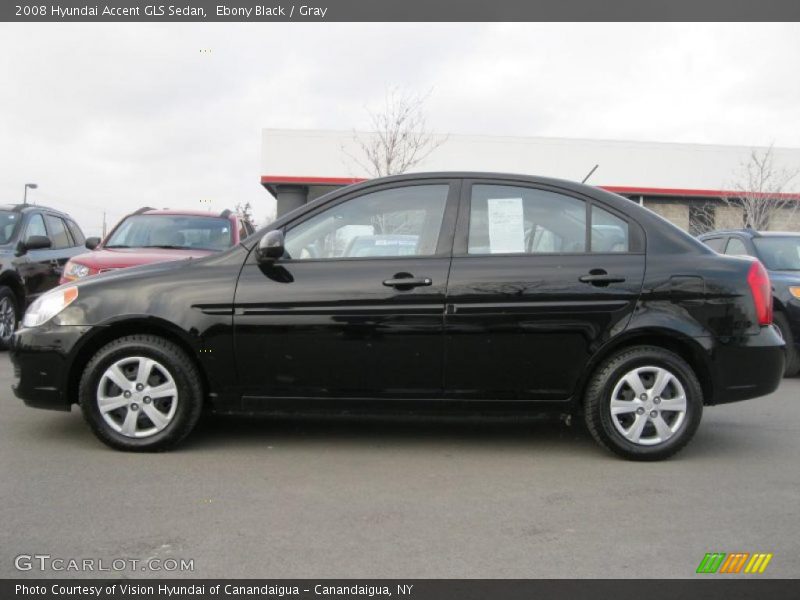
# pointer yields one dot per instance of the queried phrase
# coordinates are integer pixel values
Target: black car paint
(506, 332)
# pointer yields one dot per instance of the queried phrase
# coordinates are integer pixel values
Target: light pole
(32, 186)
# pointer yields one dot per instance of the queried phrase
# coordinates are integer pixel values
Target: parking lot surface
(327, 498)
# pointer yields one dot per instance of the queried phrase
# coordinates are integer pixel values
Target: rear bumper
(41, 358)
(747, 367)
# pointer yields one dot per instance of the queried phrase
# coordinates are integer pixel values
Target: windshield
(172, 231)
(779, 253)
(9, 221)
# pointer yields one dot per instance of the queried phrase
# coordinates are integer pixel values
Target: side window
(507, 219)
(736, 247)
(77, 234)
(609, 232)
(716, 244)
(35, 226)
(395, 222)
(58, 232)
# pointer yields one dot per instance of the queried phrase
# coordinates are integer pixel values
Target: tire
(792, 363)
(132, 420)
(9, 316)
(643, 365)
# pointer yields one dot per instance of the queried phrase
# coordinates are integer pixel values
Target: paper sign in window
(506, 225)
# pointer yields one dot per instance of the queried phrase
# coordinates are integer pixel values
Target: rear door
(539, 279)
(64, 247)
(355, 308)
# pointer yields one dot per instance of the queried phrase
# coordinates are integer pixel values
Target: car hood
(120, 258)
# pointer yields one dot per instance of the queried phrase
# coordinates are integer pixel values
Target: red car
(150, 236)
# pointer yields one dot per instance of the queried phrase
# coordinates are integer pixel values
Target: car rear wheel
(9, 316)
(141, 393)
(644, 403)
(792, 363)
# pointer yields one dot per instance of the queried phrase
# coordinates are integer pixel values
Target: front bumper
(748, 367)
(42, 357)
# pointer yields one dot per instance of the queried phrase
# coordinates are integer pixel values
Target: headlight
(49, 305)
(795, 291)
(75, 270)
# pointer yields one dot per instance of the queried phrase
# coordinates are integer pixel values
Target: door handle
(407, 282)
(600, 277)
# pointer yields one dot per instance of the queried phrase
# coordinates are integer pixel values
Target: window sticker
(506, 225)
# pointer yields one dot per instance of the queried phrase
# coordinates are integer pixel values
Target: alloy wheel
(648, 405)
(8, 318)
(137, 396)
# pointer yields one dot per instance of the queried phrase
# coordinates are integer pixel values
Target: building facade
(685, 183)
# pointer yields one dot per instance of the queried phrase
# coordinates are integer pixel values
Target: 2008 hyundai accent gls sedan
(443, 292)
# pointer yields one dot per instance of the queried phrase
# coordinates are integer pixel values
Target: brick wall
(675, 212)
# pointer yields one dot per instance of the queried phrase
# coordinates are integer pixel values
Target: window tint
(35, 226)
(396, 222)
(716, 244)
(57, 232)
(736, 247)
(609, 232)
(508, 220)
(77, 234)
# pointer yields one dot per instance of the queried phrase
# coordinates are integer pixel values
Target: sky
(107, 118)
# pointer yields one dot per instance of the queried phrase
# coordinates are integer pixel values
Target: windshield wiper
(168, 247)
(117, 246)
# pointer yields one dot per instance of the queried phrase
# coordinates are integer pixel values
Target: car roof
(225, 214)
(751, 233)
(24, 208)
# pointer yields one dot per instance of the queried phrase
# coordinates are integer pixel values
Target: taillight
(760, 287)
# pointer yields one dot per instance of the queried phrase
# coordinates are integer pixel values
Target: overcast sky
(112, 117)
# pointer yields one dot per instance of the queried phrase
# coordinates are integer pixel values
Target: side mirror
(35, 242)
(92, 242)
(270, 247)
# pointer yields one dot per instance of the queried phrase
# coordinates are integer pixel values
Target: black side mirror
(92, 242)
(35, 242)
(270, 247)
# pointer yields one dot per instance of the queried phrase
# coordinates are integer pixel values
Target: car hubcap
(137, 396)
(8, 320)
(648, 405)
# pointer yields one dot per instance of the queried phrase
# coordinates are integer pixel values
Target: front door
(539, 280)
(355, 308)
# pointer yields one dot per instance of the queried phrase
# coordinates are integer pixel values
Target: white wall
(309, 153)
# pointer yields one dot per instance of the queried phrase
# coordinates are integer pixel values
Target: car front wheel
(9, 316)
(644, 403)
(141, 393)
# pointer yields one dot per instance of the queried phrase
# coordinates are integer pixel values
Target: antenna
(589, 174)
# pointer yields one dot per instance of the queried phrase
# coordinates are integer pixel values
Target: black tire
(8, 320)
(184, 373)
(792, 363)
(598, 398)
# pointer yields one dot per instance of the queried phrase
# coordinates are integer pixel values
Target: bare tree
(400, 140)
(759, 190)
(401, 137)
(246, 212)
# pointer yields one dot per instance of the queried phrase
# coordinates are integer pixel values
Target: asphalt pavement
(374, 498)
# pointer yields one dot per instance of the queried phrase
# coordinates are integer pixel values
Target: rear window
(172, 231)
(779, 253)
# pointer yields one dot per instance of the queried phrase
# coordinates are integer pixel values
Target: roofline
(270, 181)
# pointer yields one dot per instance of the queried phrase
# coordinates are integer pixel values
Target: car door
(355, 307)
(539, 279)
(63, 248)
(34, 266)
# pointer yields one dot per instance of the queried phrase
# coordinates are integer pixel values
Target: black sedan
(442, 292)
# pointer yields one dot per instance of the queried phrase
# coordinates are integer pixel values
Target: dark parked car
(780, 254)
(35, 244)
(521, 295)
